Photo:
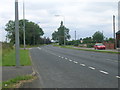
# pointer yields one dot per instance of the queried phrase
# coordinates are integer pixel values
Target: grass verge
(88, 49)
(16, 82)
(30, 46)
(8, 58)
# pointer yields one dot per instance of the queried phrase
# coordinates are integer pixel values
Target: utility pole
(75, 35)
(24, 23)
(17, 34)
(114, 31)
(34, 35)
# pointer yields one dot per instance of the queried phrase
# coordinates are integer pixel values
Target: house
(118, 39)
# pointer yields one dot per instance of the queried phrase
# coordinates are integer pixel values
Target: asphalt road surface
(67, 68)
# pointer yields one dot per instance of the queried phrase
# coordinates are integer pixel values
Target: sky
(83, 16)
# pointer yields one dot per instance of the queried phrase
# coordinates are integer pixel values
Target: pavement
(68, 68)
(9, 72)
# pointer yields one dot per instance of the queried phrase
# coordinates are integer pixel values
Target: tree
(55, 36)
(109, 40)
(32, 31)
(98, 37)
(61, 33)
(87, 40)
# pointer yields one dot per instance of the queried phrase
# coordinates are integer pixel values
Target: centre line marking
(75, 62)
(62, 57)
(92, 68)
(103, 72)
(66, 58)
(82, 64)
(59, 56)
(70, 60)
(39, 48)
(117, 76)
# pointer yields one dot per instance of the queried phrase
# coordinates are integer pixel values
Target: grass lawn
(12, 83)
(8, 58)
(30, 46)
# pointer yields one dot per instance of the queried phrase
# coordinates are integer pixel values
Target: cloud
(81, 15)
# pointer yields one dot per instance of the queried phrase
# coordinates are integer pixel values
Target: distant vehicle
(99, 46)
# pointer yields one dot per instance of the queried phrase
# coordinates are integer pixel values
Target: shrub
(90, 45)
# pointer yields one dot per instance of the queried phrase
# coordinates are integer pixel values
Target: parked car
(99, 46)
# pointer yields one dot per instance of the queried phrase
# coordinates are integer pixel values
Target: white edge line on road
(92, 68)
(112, 60)
(103, 72)
(82, 64)
(117, 76)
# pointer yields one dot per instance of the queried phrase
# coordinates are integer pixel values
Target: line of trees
(97, 37)
(33, 33)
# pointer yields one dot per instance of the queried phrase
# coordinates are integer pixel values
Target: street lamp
(114, 31)
(17, 34)
(64, 25)
(24, 23)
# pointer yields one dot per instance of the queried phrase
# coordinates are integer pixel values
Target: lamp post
(64, 26)
(24, 24)
(17, 34)
(114, 31)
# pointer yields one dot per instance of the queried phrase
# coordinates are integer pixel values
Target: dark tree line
(33, 32)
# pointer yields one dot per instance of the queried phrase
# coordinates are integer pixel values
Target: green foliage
(109, 40)
(87, 40)
(98, 37)
(8, 58)
(90, 45)
(55, 36)
(59, 35)
(32, 31)
(73, 42)
(10, 83)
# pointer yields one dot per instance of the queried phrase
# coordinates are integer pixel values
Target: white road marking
(75, 62)
(62, 57)
(66, 58)
(70, 60)
(117, 76)
(103, 72)
(82, 64)
(92, 68)
(59, 56)
(112, 60)
(39, 48)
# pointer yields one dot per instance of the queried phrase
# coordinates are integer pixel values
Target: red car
(99, 46)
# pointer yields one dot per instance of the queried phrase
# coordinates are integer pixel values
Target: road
(67, 68)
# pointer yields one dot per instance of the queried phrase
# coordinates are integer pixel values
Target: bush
(90, 45)
(6, 47)
(76, 44)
